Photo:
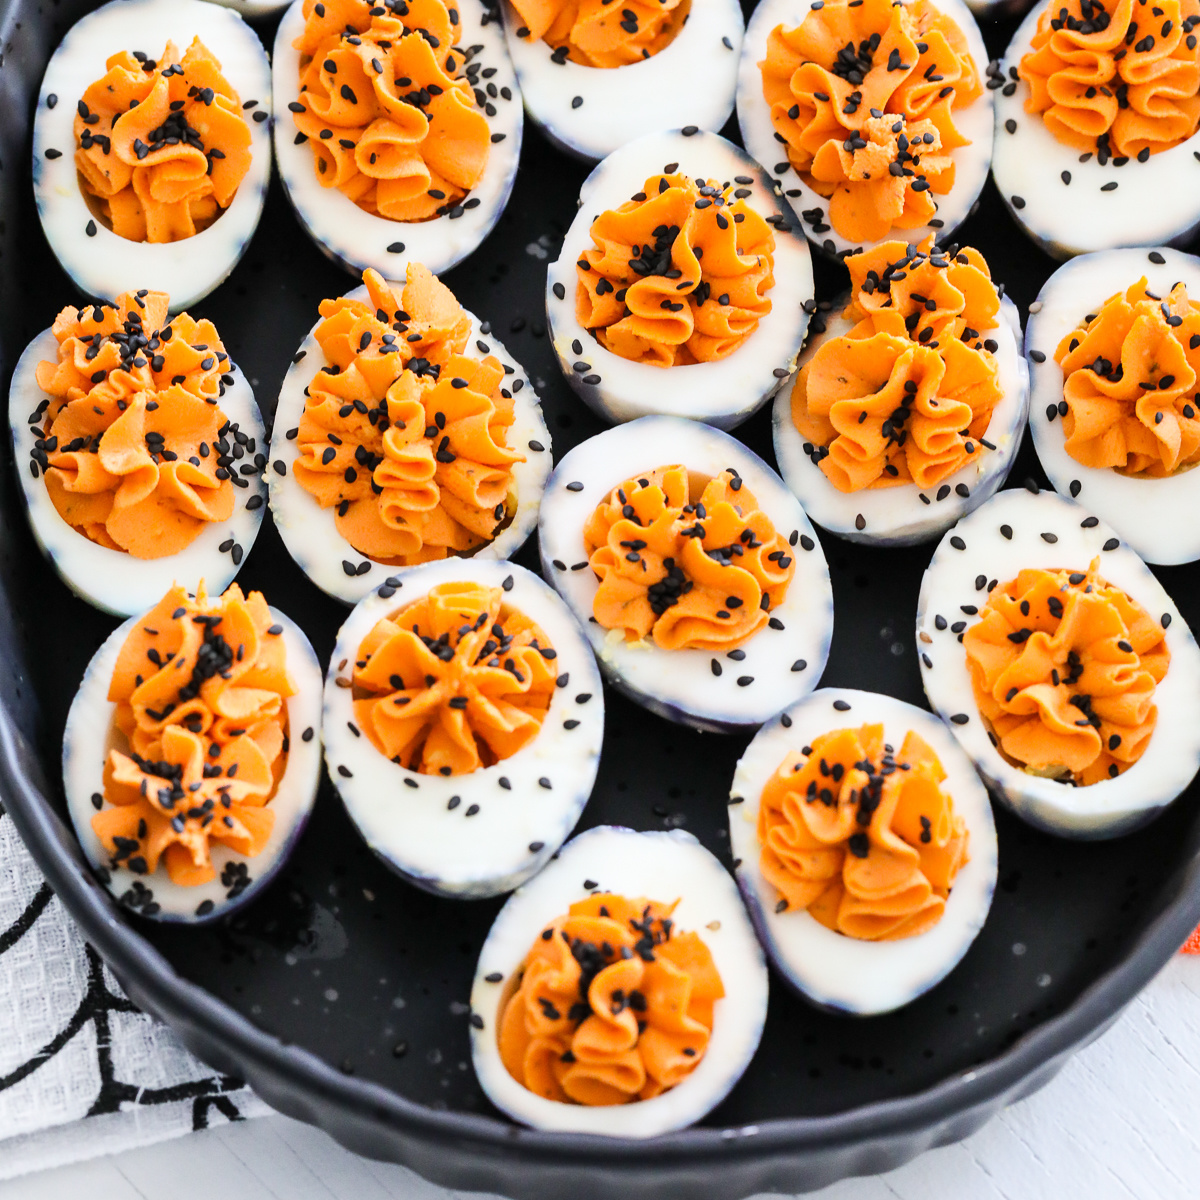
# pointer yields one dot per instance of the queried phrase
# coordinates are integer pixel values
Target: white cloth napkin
(82, 1071)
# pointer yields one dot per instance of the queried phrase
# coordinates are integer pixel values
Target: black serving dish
(340, 994)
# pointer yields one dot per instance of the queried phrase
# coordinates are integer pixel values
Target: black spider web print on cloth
(80, 1044)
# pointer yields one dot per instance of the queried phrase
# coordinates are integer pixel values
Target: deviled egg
(621, 991)
(463, 721)
(1061, 665)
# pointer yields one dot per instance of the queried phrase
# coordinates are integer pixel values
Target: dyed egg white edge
(89, 736)
(621, 103)
(725, 392)
(105, 265)
(405, 816)
(1150, 203)
(898, 516)
(971, 162)
(843, 973)
(663, 866)
(1153, 515)
(1100, 810)
(310, 532)
(111, 579)
(716, 691)
(356, 239)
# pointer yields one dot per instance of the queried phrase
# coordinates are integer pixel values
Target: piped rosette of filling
(185, 754)
(911, 402)
(865, 848)
(413, 439)
(151, 147)
(597, 1009)
(1114, 352)
(699, 580)
(594, 34)
(679, 258)
(394, 126)
(463, 724)
(1061, 666)
(876, 105)
(142, 458)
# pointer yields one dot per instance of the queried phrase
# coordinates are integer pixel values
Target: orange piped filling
(1064, 666)
(599, 33)
(392, 122)
(907, 394)
(200, 686)
(676, 276)
(132, 444)
(862, 94)
(611, 1004)
(1114, 78)
(453, 682)
(162, 147)
(402, 433)
(1129, 384)
(865, 839)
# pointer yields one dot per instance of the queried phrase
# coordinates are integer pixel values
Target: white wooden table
(1121, 1122)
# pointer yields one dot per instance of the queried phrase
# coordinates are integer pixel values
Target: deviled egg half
(1114, 356)
(871, 115)
(621, 991)
(404, 432)
(694, 571)
(907, 409)
(403, 130)
(595, 77)
(682, 287)
(1061, 665)
(192, 753)
(139, 447)
(152, 147)
(864, 845)
(463, 721)
(1096, 126)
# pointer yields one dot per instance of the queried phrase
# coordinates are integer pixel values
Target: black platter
(1076, 929)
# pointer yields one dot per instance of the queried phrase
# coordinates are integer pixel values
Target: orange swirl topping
(692, 561)
(161, 146)
(1129, 384)
(862, 94)
(135, 448)
(1064, 666)
(865, 839)
(907, 394)
(392, 122)
(200, 687)
(679, 274)
(402, 433)
(596, 33)
(1116, 78)
(453, 682)
(612, 1004)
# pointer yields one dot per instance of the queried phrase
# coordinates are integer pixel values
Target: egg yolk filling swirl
(692, 562)
(200, 687)
(1064, 666)
(1117, 79)
(387, 106)
(862, 94)
(598, 33)
(453, 682)
(1130, 395)
(403, 434)
(678, 274)
(161, 145)
(865, 839)
(135, 450)
(612, 1004)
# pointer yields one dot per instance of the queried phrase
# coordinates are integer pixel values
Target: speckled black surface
(342, 960)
